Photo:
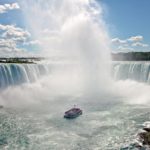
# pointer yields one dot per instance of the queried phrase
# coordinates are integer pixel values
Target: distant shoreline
(12, 62)
(131, 56)
(21, 60)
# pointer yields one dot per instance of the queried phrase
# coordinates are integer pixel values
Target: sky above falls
(15, 38)
(129, 24)
(126, 21)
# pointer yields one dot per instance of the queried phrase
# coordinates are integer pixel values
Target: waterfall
(14, 74)
(138, 71)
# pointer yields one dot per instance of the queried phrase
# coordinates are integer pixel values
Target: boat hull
(73, 113)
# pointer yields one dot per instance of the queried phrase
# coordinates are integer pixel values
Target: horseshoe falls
(15, 74)
(35, 96)
(138, 71)
(114, 96)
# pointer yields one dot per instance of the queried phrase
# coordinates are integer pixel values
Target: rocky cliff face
(142, 141)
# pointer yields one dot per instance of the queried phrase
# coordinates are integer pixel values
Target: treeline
(131, 56)
(20, 59)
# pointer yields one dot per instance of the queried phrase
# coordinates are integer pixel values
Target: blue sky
(14, 17)
(128, 18)
(15, 39)
(127, 21)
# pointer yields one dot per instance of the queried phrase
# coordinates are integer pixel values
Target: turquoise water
(32, 117)
(102, 127)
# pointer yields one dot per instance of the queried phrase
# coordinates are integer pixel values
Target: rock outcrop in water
(144, 135)
(142, 141)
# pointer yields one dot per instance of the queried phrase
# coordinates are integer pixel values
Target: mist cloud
(7, 7)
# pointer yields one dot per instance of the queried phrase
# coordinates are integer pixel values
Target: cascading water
(138, 71)
(15, 74)
(73, 33)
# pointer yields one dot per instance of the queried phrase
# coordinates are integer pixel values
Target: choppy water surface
(101, 127)
(32, 117)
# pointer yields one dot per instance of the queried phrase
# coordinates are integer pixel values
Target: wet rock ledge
(142, 141)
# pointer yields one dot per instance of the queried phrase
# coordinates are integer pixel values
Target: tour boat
(73, 113)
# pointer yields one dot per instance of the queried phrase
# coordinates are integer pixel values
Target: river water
(32, 117)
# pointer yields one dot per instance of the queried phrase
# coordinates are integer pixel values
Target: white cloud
(139, 44)
(15, 33)
(118, 41)
(7, 43)
(132, 43)
(6, 7)
(11, 38)
(8, 47)
(136, 38)
(12, 41)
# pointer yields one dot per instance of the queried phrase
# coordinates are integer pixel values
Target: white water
(15, 74)
(33, 114)
(138, 71)
(75, 31)
(32, 117)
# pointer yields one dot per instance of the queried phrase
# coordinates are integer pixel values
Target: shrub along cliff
(131, 56)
